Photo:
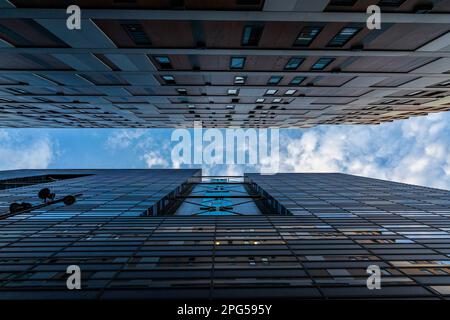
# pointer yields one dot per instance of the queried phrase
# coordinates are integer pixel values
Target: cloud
(412, 151)
(25, 150)
(154, 159)
(122, 139)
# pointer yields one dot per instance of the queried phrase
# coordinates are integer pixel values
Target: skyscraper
(247, 63)
(160, 234)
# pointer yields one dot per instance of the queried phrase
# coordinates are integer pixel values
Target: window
(136, 33)
(277, 100)
(239, 80)
(271, 92)
(191, 106)
(248, 2)
(388, 101)
(237, 62)
(260, 100)
(342, 2)
(182, 91)
(104, 79)
(164, 62)
(293, 63)
(322, 63)
(406, 101)
(443, 84)
(390, 3)
(169, 79)
(306, 36)
(229, 106)
(17, 90)
(290, 92)
(251, 35)
(33, 180)
(414, 93)
(233, 92)
(343, 36)
(274, 79)
(297, 80)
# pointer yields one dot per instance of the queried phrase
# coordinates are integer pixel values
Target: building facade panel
(181, 59)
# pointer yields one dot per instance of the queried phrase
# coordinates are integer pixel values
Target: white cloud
(25, 151)
(154, 159)
(412, 151)
(122, 139)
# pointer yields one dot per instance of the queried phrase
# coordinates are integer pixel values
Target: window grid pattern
(130, 69)
(340, 224)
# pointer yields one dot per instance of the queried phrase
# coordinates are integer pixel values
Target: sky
(413, 151)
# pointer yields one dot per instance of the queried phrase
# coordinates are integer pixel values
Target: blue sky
(412, 151)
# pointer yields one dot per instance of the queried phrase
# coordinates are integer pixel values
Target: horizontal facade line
(174, 107)
(208, 96)
(232, 52)
(208, 15)
(226, 72)
(231, 86)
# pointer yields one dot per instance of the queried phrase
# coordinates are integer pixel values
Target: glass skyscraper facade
(156, 234)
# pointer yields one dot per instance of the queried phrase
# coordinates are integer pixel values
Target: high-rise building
(159, 234)
(247, 63)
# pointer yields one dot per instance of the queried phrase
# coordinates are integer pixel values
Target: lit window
(230, 106)
(169, 79)
(237, 62)
(233, 92)
(290, 92)
(271, 92)
(322, 63)
(293, 63)
(182, 91)
(297, 80)
(251, 35)
(191, 106)
(260, 100)
(164, 62)
(276, 100)
(274, 79)
(239, 80)
(306, 36)
(343, 36)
